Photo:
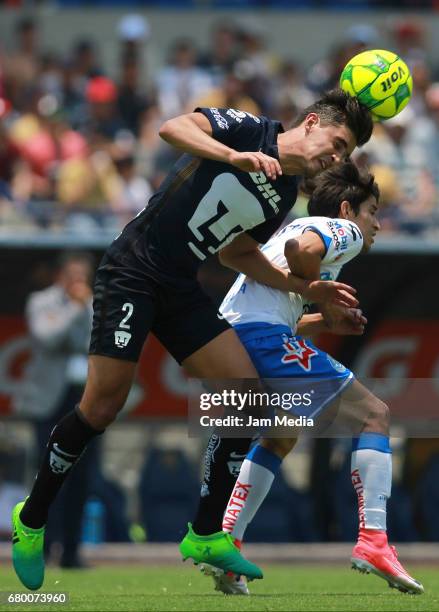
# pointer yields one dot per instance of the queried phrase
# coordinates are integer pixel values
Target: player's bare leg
(108, 384)
(222, 357)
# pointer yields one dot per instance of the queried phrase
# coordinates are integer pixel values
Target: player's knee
(103, 411)
(379, 416)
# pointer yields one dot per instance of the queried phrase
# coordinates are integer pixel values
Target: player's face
(367, 221)
(325, 145)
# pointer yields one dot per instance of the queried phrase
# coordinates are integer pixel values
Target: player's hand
(344, 321)
(256, 161)
(331, 292)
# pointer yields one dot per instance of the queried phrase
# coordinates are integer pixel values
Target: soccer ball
(380, 80)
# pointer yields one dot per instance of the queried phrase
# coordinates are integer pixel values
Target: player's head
(330, 130)
(347, 193)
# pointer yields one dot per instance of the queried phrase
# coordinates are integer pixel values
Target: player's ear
(345, 210)
(311, 120)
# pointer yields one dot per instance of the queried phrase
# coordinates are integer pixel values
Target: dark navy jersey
(203, 204)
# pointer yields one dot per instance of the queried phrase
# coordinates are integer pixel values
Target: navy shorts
(129, 302)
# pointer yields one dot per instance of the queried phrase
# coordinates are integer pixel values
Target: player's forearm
(256, 266)
(312, 325)
(183, 133)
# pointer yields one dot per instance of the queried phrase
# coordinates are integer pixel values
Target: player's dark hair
(341, 182)
(337, 108)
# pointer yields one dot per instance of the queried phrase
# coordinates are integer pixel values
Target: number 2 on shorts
(130, 308)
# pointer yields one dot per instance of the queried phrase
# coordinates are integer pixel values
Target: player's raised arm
(193, 133)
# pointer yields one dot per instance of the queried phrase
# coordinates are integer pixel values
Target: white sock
(252, 486)
(371, 474)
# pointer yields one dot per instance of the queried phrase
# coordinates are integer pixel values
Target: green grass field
(184, 588)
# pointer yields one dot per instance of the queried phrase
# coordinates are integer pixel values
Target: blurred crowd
(290, 4)
(80, 150)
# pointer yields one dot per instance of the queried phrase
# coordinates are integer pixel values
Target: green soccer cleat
(27, 551)
(218, 550)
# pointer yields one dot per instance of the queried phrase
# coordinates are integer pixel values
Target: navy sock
(66, 443)
(223, 460)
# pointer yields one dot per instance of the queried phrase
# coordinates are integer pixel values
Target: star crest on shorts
(299, 351)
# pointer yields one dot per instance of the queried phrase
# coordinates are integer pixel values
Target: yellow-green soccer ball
(380, 80)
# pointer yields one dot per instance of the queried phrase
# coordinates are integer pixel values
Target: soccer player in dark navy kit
(229, 193)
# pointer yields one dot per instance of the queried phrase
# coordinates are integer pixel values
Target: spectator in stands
(231, 94)
(67, 153)
(50, 75)
(129, 191)
(72, 96)
(45, 140)
(22, 65)
(85, 60)
(409, 37)
(84, 190)
(133, 31)
(132, 102)
(326, 73)
(150, 146)
(391, 196)
(59, 322)
(103, 120)
(429, 128)
(290, 93)
(222, 53)
(253, 47)
(400, 145)
(256, 62)
(181, 80)
(9, 154)
(12, 211)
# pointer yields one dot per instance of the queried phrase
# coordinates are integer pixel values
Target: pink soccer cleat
(372, 553)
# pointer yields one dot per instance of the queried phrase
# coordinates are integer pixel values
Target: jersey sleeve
(234, 128)
(342, 238)
(264, 231)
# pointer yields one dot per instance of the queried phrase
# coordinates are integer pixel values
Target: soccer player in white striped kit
(268, 321)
